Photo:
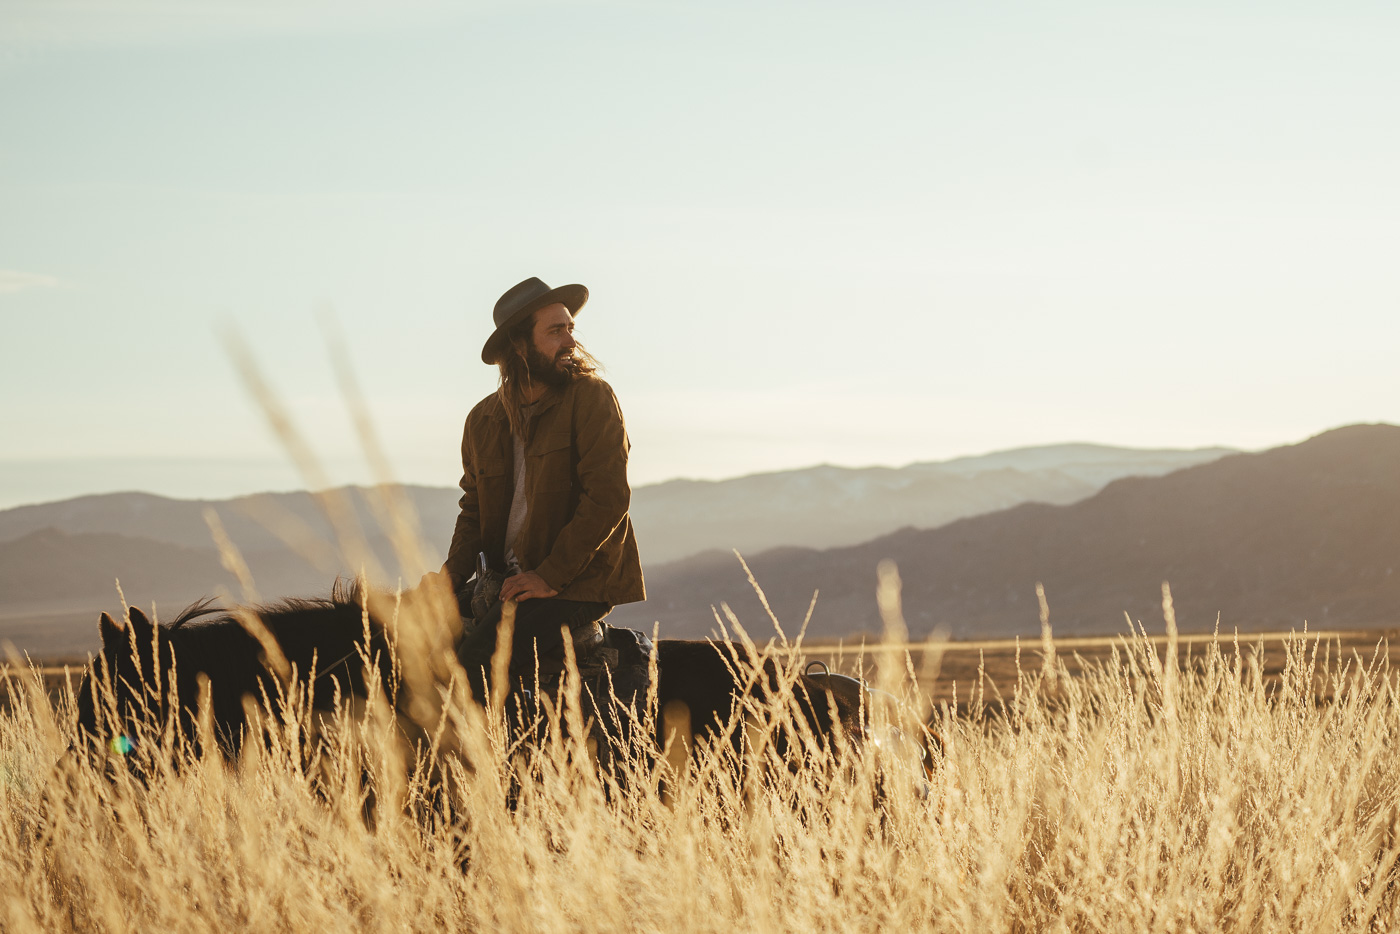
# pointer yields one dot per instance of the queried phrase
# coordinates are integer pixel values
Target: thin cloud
(14, 281)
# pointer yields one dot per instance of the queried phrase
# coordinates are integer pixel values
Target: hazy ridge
(826, 506)
(59, 561)
(1308, 532)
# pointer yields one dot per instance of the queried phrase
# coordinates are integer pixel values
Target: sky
(815, 232)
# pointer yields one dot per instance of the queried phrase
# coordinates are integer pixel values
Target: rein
(338, 662)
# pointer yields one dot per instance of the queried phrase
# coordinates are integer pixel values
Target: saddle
(597, 646)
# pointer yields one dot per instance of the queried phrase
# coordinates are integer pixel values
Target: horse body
(710, 679)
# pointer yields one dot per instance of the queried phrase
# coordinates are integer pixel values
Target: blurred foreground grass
(1150, 788)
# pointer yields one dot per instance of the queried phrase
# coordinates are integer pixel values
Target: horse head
(121, 697)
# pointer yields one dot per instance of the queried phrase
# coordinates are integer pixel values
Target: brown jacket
(577, 535)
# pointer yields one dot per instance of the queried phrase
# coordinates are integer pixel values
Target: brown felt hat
(522, 300)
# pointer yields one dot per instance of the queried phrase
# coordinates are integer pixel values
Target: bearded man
(544, 482)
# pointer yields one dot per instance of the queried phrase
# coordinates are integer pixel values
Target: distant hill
(55, 568)
(1306, 532)
(246, 518)
(62, 558)
(821, 507)
(59, 562)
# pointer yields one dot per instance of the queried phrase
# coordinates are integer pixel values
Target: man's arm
(604, 495)
(466, 536)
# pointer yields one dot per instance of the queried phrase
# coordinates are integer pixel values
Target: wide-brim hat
(522, 300)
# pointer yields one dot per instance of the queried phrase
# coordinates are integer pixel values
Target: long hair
(515, 371)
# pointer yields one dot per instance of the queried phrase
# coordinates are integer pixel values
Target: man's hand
(440, 578)
(526, 586)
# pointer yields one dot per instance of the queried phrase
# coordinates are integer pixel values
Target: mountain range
(1308, 533)
(823, 507)
(59, 561)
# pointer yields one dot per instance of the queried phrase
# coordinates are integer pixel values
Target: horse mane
(203, 607)
(343, 593)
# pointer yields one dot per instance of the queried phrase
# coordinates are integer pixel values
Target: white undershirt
(519, 508)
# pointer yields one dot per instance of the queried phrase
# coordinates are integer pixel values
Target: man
(544, 481)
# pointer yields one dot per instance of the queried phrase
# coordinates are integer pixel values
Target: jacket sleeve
(466, 537)
(604, 496)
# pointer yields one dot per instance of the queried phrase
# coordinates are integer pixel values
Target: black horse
(160, 676)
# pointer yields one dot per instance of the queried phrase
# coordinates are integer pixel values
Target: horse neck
(325, 635)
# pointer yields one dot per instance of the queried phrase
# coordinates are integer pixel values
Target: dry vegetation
(1147, 790)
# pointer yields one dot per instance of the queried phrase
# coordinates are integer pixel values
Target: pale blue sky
(845, 232)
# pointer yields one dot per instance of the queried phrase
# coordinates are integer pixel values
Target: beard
(554, 373)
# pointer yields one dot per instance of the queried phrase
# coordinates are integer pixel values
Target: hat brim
(571, 297)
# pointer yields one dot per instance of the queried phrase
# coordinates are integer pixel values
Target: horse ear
(140, 625)
(110, 630)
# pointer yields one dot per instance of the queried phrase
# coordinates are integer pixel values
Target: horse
(341, 647)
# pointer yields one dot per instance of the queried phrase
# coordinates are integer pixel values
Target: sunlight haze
(813, 232)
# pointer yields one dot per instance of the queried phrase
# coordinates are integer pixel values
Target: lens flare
(121, 745)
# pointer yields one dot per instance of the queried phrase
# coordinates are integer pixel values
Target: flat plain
(963, 672)
(956, 672)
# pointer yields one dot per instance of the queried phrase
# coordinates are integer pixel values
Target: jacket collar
(551, 398)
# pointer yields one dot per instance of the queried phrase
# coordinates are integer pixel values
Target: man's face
(552, 345)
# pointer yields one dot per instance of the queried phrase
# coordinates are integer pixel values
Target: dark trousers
(611, 697)
(537, 625)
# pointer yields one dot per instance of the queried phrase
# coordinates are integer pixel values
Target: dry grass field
(1121, 785)
(959, 673)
